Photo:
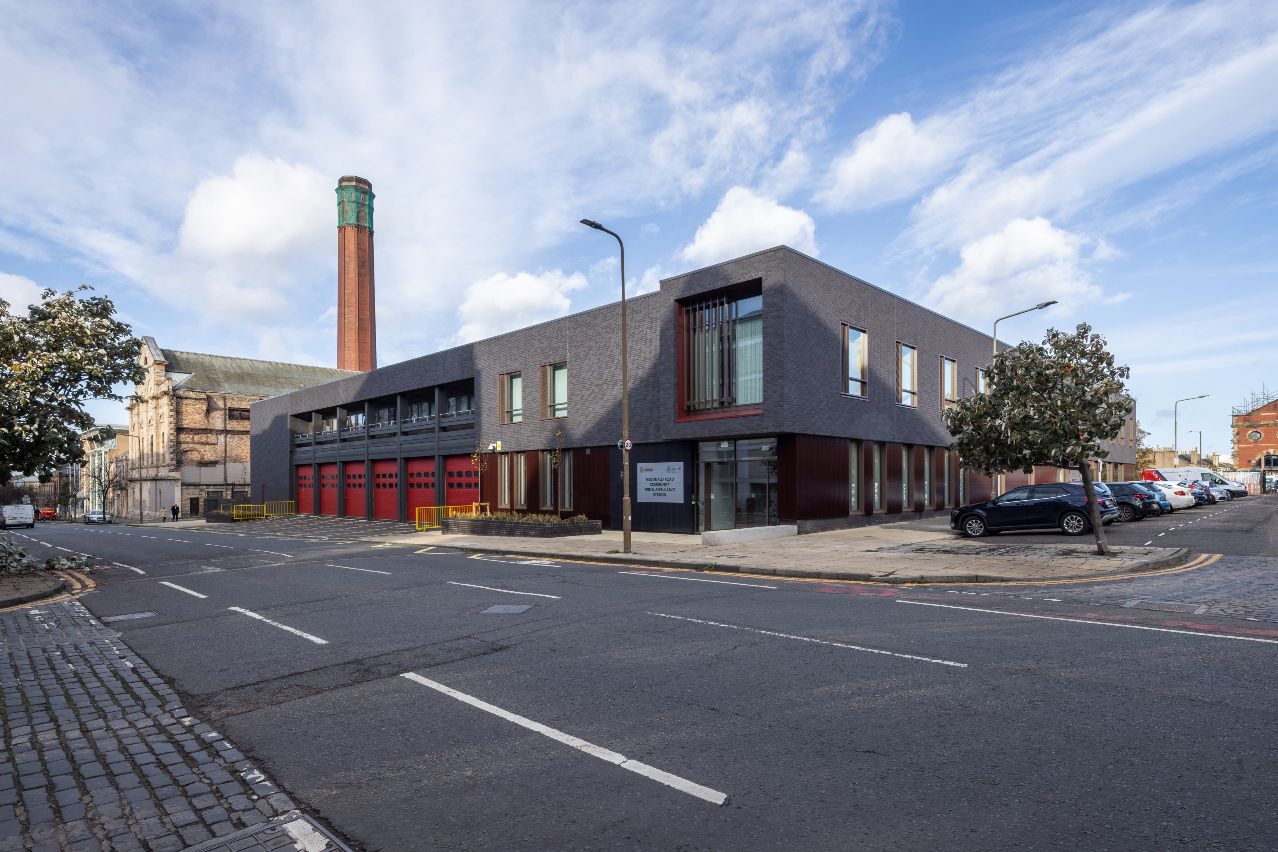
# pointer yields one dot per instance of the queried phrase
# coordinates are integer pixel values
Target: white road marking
(227, 546)
(182, 589)
(46, 544)
(65, 549)
(265, 620)
(1099, 623)
(366, 570)
(272, 552)
(1148, 543)
(683, 785)
(697, 580)
(506, 591)
(814, 641)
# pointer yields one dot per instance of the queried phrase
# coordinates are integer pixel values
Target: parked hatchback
(1164, 504)
(1134, 503)
(1058, 505)
(1178, 495)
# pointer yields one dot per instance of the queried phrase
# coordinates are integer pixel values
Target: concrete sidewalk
(888, 553)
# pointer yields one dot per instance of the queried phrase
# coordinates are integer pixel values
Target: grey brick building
(771, 388)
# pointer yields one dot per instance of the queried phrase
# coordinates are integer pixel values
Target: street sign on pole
(628, 445)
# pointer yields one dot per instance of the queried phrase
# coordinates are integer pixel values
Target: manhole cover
(506, 609)
(291, 832)
(128, 616)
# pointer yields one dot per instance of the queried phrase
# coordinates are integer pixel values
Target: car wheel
(1074, 523)
(1126, 513)
(1158, 511)
(973, 526)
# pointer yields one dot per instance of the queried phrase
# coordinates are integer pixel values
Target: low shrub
(529, 517)
(14, 560)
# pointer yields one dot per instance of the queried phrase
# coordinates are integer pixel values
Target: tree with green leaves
(63, 352)
(1053, 404)
(1144, 453)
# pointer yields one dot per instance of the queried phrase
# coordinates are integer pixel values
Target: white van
(22, 515)
(1195, 474)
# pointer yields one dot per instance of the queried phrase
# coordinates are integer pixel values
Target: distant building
(105, 471)
(1255, 428)
(188, 433)
(1167, 457)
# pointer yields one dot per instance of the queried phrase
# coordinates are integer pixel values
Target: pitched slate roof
(249, 376)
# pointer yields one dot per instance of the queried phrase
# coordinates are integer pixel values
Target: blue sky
(977, 158)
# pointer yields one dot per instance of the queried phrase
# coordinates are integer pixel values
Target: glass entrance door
(717, 486)
(737, 486)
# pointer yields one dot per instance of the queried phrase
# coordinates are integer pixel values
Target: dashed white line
(65, 549)
(1098, 623)
(265, 620)
(697, 580)
(845, 645)
(130, 567)
(182, 589)
(683, 785)
(365, 570)
(1148, 543)
(227, 546)
(506, 591)
(272, 552)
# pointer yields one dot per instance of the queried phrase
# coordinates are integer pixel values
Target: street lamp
(1176, 426)
(1037, 307)
(625, 396)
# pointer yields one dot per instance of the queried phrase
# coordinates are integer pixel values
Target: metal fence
(278, 508)
(430, 517)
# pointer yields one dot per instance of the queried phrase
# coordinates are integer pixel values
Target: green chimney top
(354, 202)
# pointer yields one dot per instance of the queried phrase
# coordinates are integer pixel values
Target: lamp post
(1037, 307)
(1176, 426)
(625, 396)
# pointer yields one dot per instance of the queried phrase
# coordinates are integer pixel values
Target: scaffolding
(1256, 400)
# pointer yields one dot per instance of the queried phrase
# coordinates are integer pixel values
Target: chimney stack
(356, 304)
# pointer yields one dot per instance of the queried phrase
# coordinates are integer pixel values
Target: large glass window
(546, 479)
(503, 481)
(738, 483)
(876, 476)
(519, 488)
(856, 361)
(722, 348)
(949, 383)
(557, 374)
(854, 478)
(565, 480)
(927, 477)
(906, 476)
(980, 380)
(512, 398)
(907, 374)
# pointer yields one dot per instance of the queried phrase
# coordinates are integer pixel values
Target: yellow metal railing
(248, 512)
(276, 508)
(429, 517)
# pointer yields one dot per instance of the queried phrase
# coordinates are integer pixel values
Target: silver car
(98, 518)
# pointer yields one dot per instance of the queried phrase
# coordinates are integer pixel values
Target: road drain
(506, 609)
(128, 616)
(1169, 606)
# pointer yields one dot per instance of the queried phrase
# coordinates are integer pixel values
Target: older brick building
(189, 425)
(1255, 428)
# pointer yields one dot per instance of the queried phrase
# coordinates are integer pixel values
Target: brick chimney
(356, 304)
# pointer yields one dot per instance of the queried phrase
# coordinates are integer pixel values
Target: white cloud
(502, 302)
(19, 291)
(745, 222)
(892, 160)
(1027, 262)
(649, 283)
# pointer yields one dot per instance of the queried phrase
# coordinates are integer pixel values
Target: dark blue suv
(1056, 505)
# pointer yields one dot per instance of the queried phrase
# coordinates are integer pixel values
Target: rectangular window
(949, 383)
(238, 414)
(519, 488)
(980, 380)
(927, 477)
(503, 481)
(907, 375)
(547, 480)
(945, 480)
(856, 361)
(854, 477)
(510, 389)
(554, 391)
(876, 474)
(906, 476)
(722, 348)
(565, 480)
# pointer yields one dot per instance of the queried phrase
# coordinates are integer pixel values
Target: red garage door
(386, 490)
(305, 489)
(355, 474)
(328, 489)
(461, 484)
(420, 484)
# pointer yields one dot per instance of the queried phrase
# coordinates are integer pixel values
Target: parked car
(21, 515)
(48, 513)
(1058, 505)
(98, 518)
(1164, 504)
(1134, 503)
(1196, 491)
(1195, 474)
(1178, 495)
(1222, 495)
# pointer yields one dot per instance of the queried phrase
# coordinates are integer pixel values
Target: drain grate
(128, 616)
(506, 609)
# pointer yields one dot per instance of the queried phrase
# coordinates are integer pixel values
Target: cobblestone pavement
(100, 753)
(1235, 586)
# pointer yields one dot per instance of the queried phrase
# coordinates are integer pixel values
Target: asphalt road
(645, 709)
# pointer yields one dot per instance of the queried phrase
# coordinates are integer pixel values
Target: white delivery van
(1195, 474)
(22, 515)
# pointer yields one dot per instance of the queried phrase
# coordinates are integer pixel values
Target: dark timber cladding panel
(328, 488)
(892, 477)
(812, 477)
(978, 487)
(939, 473)
(356, 479)
(657, 517)
(1014, 479)
(918, 499)
(305, 489)
(386, 489)
(592, 474)
(488, 480)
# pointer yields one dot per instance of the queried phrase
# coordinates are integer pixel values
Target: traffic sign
(628, 445)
